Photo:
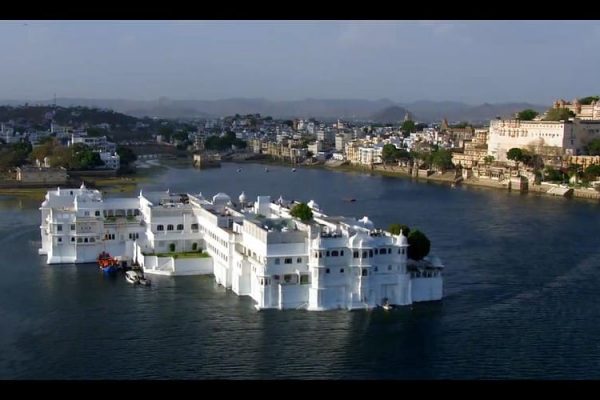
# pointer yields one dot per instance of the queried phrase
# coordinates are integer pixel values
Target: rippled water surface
(522, 285)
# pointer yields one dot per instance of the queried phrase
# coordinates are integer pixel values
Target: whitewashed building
(567, 137)
(256, 249)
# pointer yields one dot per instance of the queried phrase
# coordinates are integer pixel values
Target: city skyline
(404, 61)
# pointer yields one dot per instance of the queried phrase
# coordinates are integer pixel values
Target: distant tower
(407, 116)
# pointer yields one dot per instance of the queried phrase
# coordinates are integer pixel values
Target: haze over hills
(383, 110)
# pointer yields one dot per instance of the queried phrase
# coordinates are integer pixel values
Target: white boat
(293, 169)
(266, 169)
(239, 170)
(145, 282)
(132, 277)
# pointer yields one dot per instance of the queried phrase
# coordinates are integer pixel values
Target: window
(288, 260)
(86, 213)
(304, 279)
(194, 227)
(370, 253)
(59, 228)
(298, 260)
(376, 251)
(72, 239)
(342, 253)
(97, 213)
(327, 254)
(390, 250)
(334, 253)
(85, 240)
(389, 267)
(59, 240)
(364, 254)
(277, 261)
(327, 271)
(341, 270)
(180, 227)
(160, 227)
(364, 272)
(92, 240)
(72, 227)
(169, 227)
(355, 254)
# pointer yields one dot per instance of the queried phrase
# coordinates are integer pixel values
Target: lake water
(522, 285)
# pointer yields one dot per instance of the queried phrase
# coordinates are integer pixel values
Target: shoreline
(400, 172)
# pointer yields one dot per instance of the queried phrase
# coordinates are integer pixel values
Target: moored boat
(107, 263)
(132, 277)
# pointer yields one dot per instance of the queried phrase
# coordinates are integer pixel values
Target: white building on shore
(256, 249)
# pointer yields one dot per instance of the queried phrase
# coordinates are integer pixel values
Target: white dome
(221, 198)
(242, 198)
(313, 205)
(360, 240)
(366, 222)
(401, 239)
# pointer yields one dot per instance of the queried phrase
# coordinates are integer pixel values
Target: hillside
(393, 114)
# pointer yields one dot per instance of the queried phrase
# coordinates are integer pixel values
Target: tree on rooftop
(419, 245)
(559, 114)
(527, 115)
(302, 211)
(395, 229)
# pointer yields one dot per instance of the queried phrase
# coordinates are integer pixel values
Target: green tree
(441, 159)
(593, 147)
(389, 153)
(588, 100)
(419, 245)
(559, 114)
(527, 115)
(126, 155)
(408, 127)
(302, 211)
(592, 172)
(395, 229)
(515, 154)
(488, 160)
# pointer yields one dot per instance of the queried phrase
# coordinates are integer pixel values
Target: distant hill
(393, 114)
(383, 110)
(435, 111)
(166, 108)
(42, 115)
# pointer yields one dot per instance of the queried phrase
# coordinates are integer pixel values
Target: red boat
(107, 263)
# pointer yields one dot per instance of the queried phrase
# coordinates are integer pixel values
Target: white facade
(110, 160)
(567, 136)
(256, 249)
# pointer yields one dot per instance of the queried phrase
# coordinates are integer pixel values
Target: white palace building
(256, 248)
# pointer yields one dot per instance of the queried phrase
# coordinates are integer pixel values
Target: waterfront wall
(427, 289)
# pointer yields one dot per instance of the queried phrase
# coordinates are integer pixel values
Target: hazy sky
(471, 61)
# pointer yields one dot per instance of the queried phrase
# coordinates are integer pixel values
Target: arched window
(169, 227)
(160, 227)
(355, 254)
(370, 253)
(341, 270)
(180, 227)
(364, 255)
(334, 253)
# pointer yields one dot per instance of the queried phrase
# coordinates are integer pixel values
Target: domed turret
(366, 222)
(360, 240)
(401, 240)
(242, 198)
(82, 185)
(221, 198)
(313, 205)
